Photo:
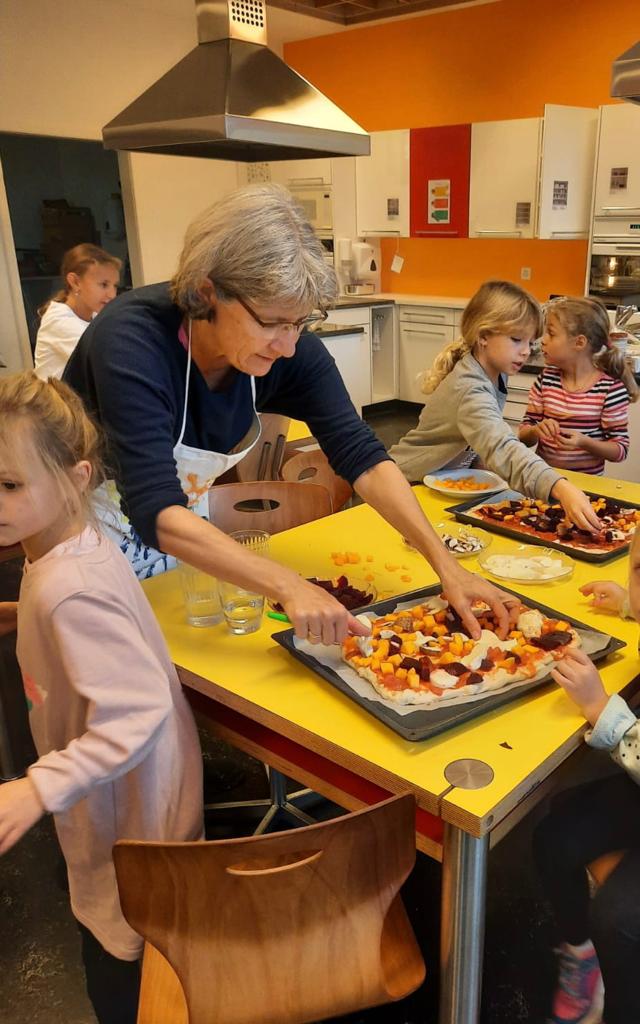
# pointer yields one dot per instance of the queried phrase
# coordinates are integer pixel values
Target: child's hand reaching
(580, 680)
(20, 808)
(607, 596)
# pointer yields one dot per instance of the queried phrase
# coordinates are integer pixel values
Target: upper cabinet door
(382, 185)
(504, 178)
(617, 193)
(568, 155)
(296, 173)
(440, 166)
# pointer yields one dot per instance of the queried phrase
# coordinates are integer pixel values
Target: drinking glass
(201, 598)
(242, 608)
(254, 540)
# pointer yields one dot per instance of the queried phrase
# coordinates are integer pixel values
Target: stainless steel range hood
(625, 75)
(233, 99)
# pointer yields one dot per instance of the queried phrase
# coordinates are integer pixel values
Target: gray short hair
(255, 243)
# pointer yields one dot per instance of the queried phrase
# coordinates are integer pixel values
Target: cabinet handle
(306, 181)
(407, 330)
(377, 231)
(435, 232)
(570, 234)
(508, 234)
(629, 247)
(617, 209)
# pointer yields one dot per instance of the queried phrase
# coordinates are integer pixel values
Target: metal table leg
(464, 886)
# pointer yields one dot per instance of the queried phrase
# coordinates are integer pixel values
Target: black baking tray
(461, 512)
(420, 724)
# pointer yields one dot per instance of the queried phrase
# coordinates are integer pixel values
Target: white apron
(197, 470)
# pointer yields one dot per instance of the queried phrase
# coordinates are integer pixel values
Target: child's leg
(615, 930)
(583, 823)
(113, 985)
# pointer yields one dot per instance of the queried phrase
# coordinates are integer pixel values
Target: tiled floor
(41, 981)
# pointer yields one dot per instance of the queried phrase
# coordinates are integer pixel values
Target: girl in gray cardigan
(467, 392)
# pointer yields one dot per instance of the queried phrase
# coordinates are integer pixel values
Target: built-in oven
(614, 271)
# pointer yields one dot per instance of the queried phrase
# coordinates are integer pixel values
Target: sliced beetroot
(425, 668)
(551, 641)
(485, 665)
(410, 663)
(455, 668)
(474, 678)
(395, 644)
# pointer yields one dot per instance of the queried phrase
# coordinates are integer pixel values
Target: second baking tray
(462, 512)
(421, 724)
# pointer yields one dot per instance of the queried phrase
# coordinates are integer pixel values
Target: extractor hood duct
(625, 75)
(233, 99)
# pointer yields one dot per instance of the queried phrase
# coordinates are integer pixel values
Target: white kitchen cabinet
(352, 353)
(382, 185)
(566, 171)
(299, 173)
(617, 187)
(519, 386)
(630, 468)
(424, 332)
(504, 178)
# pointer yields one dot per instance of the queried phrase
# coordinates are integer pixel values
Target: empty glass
(254, 540)
(201, 598)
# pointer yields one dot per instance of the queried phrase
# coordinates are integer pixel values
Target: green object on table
(279, 616)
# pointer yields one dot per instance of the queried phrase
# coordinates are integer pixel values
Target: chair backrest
(313, 468)
(265, 458)
(270, 505)
(281, 928)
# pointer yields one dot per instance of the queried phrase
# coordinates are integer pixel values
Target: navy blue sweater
(130, 369)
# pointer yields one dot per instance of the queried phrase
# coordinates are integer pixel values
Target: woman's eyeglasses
(318, 316)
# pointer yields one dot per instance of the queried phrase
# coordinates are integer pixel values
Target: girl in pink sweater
(118, 749)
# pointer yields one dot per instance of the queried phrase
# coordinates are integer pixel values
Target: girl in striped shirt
(579, 405)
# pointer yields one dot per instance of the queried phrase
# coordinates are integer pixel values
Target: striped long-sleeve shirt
(600, 412)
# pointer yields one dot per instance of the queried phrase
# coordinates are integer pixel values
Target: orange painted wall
(497, 60)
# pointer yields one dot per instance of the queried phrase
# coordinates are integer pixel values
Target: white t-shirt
(59, 332)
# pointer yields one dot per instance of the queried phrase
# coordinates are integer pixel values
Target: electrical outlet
(525, 273)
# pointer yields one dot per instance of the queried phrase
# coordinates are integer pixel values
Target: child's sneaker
(579, 996)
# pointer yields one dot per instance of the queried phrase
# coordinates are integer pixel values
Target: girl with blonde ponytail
(466, 388)
(578, 408)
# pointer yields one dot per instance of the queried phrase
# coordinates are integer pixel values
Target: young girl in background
(579, 405)
(118, 749)
(600, 935)
(467, 392)
(90, 280)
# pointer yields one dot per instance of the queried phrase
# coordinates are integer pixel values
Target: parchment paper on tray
(330, 657)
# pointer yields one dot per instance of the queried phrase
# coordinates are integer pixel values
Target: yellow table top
(255, 675)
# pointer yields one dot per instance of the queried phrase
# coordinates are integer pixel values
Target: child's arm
(534, 426)
(615, 727)
(614, 421)
(128, 697)
(574, 440)
(20, 809)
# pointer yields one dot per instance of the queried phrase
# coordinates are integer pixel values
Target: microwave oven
(316, 205)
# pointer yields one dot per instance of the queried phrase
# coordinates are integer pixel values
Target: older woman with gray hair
(176, 374)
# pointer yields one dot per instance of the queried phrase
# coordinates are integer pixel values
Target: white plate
(490, 481)
(526, 563)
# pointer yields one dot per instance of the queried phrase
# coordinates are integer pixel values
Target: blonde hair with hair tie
(52, 417)
(77, 261)
(498, 307)
(589, 318)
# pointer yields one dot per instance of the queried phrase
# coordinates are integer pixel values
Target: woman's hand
(580, 680)
(461, 588)
(8, 617)
(547, 430)
(20, 808)
(316, 616)
(607, 596)
(577, 506)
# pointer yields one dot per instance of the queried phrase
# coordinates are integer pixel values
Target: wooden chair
(601, 868)
(313, 467)
(267, 505)
(265, 459)
(279, 929)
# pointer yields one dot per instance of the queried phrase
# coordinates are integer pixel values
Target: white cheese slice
(530, 622)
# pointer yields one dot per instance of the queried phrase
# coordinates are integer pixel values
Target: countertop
(380, 298)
